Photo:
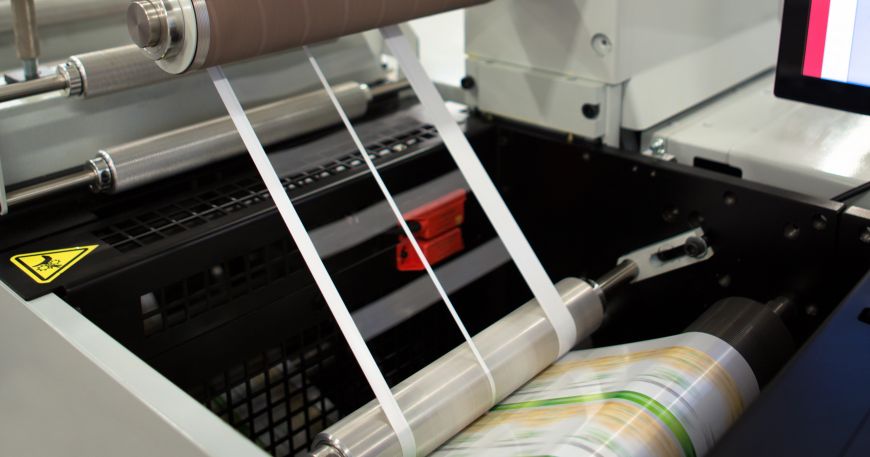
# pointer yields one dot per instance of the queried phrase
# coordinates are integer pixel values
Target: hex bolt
(696, 247)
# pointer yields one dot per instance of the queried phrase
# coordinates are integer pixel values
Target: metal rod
(26, 36)
(624, 273)
(38, 86)
(198, 145)
(390, 88)
(53, 186)
(449, 394)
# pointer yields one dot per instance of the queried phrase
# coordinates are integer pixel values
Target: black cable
(852, 193)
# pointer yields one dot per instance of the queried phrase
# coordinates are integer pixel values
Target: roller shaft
(93, 74)
(53, 186)
(150, 159)
(23, 89)
(451, 393)
(216, 32)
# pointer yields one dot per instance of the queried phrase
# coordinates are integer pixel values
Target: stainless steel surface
(150, 159)
(622, 274)
(26, 36)
(163, 17)
(143, 23)
(71, 181)
(33, 87)
(326, 451)
(92, 74)
(203, 32)
(31, 68)
(116, 69)
(448, 395)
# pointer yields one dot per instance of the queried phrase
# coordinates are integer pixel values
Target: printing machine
(194, 327)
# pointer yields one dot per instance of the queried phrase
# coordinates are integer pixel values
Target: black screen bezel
(790, 81)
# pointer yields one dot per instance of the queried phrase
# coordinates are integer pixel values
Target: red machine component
(438, 216)
(437, 228)
(435, 250)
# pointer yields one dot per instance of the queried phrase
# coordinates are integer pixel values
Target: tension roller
(185, 35)
(451, 393)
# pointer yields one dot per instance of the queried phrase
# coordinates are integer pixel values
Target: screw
(602, 44)
(812, 310)
(591, 111)
(659, 146)
(468, 83)
(820, 222)
(587, 157)
(696, 247)
(792, 232)
(865, 237)
(725, 281)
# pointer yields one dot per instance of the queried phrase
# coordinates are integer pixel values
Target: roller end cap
(144, 24)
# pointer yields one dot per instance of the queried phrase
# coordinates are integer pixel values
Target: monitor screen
(825, 53)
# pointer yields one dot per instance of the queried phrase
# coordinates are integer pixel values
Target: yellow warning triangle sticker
(46, 266)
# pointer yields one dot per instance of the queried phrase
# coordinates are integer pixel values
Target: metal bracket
(672, 254)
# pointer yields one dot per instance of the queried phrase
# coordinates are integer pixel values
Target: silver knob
(144, 23)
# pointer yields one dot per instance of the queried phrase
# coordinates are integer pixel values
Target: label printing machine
(152, 303)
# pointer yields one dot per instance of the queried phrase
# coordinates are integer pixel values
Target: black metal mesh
(207, 290)
(273, 398)
(157, 224)
(280, 398)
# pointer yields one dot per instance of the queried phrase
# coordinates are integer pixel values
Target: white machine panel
(799, 147)
(538, 98)
(558, 36)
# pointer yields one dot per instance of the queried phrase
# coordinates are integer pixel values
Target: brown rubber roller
(241, 29)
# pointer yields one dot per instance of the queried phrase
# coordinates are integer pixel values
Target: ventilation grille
(278, 398)
(273, 398)
(184, 300)
(155, 225)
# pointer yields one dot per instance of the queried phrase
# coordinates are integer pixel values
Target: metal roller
(150, 159)
(755, 330)
(451, 393)
(111, 70)
(92, 74)
(185, 35)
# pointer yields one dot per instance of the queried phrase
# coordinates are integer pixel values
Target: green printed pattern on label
(645, 402)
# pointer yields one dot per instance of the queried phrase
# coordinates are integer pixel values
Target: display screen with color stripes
(838, 41)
